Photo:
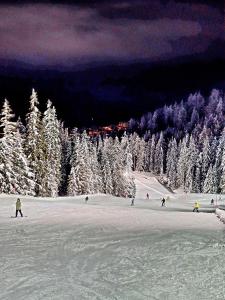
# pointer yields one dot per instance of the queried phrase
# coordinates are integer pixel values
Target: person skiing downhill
(147, 196)
(163, 202)
(18, 208)
(132, 202)
(212, 202)
(196, 207)
(86, 199)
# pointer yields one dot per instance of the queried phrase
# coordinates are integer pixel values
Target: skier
(18, 208)
(132, 202)
(147, 196)
(196, 207)
(163, 202)
(86, 199)
(212, 202)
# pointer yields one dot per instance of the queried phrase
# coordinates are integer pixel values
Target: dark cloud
(47, 34)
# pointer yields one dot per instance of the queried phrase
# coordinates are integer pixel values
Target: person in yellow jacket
(18, 208)
(196, 207)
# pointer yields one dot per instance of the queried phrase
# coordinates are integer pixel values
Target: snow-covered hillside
(107, 249)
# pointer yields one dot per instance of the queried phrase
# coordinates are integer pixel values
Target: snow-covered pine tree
(66, 145)
(182, 161)
(194, 119)
(130, 184)
(16, 176)
(79, 175)
(34, 148)
(125, 145)
(192, 159)
(99, 149)
(41, 167)
(118, 170)
(172, 160)
(215, 179)
(152, 154)
(213, 147)
(51, 131)
(134, 146)
(106, 173)
(209, 183)
(80, 178)
(140, 161)
(168, 157)
(197, 185)
(86, 145)
(220, 163)
(128, 166)
(221, 158)
(159, 156)
(22, 128)
(147, 155)
(181, 116)
(97, 185)
(75, 146)
(72, 183)
(206, 157)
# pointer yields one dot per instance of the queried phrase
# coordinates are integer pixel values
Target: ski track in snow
(149, 188)
(106, 249)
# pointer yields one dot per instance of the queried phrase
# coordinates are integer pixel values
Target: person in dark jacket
(18, 208)
(86, 199)
(163, 202)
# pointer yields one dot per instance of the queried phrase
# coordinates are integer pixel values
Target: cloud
(60, 34)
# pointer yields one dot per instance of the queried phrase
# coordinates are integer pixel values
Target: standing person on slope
(18, 208)
(163, 202)
(196, 207)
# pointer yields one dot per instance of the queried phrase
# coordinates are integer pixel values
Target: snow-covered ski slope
(106, 249)
(149, 184)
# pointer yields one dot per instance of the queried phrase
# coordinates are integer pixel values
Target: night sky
(101, 62)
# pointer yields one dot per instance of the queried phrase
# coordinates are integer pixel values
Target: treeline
(182, 143)
(196, 164)
(41, 157)
(189, 151)
(188, 116)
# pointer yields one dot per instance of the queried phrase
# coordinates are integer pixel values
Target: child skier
(18, 208)
(196, 207)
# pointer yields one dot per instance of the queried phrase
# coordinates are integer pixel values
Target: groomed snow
(106, 249)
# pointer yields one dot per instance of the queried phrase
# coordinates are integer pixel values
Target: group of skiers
(163, 203)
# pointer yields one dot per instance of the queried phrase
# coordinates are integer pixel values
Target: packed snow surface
(107, 249)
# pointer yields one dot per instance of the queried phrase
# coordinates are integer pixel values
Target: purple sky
(91, 57)
(55, 34)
